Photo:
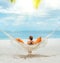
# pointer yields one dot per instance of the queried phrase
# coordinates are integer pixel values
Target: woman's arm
(19, 40)
(38, 40)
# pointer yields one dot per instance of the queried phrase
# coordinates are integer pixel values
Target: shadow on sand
(26, 56)
(33, 56)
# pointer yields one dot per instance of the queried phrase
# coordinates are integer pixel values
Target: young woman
(30, 41)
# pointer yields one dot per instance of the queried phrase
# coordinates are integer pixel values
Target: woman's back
(30, 42)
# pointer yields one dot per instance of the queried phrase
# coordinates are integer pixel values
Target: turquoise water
(26, 34)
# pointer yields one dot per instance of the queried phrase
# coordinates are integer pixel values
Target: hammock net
(26, 46)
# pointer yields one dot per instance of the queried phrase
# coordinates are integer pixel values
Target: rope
(25, 46)
(46, 38)
(51, 32)
(14, 40)
(29, 47)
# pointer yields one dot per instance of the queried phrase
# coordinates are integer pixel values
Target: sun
(24, 6)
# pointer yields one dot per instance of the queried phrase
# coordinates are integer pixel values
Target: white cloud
(23, 7)
(5, 21)
(57, 23)
(53, 4)
(0, 7)
(18, 21)
(26, 7)
(41, 23)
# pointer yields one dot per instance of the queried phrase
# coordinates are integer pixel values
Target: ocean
(26, 34)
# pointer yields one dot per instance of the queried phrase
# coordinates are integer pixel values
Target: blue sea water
(26, 34)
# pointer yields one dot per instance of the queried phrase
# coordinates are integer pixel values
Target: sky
(22, 16)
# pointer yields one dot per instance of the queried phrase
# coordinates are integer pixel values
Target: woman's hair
(31, 37)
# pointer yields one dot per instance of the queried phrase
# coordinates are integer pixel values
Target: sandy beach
(48, 54)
